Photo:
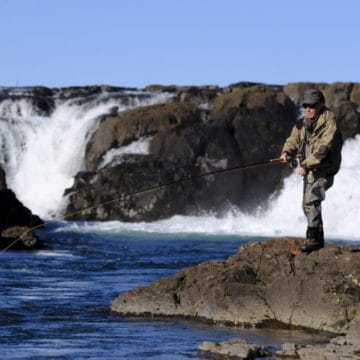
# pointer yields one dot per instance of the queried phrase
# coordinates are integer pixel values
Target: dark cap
(313, 96)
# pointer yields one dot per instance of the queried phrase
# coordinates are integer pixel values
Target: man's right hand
(285, 157)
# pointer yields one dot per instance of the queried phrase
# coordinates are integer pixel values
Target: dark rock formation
(83, 91)
(198, 130)
(19, 238)
(247, 125)
(263, 284)
(234, 349)
(202, 129)
(342, 98)
(118, 130)
(16, 221)
(341, 347)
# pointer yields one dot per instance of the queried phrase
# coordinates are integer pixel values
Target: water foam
(341, 211)
(115, 156)
(42, 154)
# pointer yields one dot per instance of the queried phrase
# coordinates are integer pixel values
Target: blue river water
(54, 303)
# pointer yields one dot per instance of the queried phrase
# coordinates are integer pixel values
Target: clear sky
(135, 43)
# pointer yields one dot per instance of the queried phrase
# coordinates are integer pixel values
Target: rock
(14, 213)
(3, 185)
(183, 145)
(341, 347)
(342, 98)
(83, 91)
(235, 348)
(263, 284)
(16, 221)
(19, 238)
(128, 126)
(202, 129)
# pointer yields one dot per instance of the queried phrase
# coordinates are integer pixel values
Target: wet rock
(342, 98)
(83, 91)
(128, 126)
(233, 349)
(14, 213)
(200, 130)
(16, 221)
(19, 238)
(262, 284)
(3, 185)
(183, 143)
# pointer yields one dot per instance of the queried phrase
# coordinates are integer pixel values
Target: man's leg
(314, 194)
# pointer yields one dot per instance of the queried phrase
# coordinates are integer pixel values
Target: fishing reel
(294, 162)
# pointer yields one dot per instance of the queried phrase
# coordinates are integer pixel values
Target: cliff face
(202, 129)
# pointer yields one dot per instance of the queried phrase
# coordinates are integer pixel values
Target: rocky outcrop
(341, 347)
(200, 130)
(19, 238)
(342, 98)
(16, 221)
(262, 285)
(123, 128)
(246, 125)
(233, 349)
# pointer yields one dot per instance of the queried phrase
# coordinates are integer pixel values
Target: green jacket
(319, 147)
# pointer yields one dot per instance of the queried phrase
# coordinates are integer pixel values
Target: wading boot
(314, 240)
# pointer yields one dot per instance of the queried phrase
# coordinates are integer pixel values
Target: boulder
(263, 284)
(342, 98)
(121, 129)
(341, 347)
(16, 221)
(14, 213)
(83, 91)
(19, 238)
(247, 125)
(234, 349)
(175, 159)
(201, 130)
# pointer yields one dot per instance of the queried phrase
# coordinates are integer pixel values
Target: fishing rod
(153, 188)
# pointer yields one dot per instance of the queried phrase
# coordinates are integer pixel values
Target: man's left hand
(301, 171)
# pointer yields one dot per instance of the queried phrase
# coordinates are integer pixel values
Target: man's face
(312, 110)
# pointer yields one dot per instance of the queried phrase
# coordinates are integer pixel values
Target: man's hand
(285, 157)
(301, 171)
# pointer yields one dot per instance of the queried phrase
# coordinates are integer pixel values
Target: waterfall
(42, 153)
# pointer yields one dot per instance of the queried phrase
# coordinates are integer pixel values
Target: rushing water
(54, 303)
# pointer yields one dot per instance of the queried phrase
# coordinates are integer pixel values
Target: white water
(341, 211)
(41, 156)
(115, 156)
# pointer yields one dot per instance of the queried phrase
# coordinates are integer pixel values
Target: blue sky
(135, 43)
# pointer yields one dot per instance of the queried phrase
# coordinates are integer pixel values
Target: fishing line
(149, 189)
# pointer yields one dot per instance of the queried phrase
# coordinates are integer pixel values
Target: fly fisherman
(316, 142)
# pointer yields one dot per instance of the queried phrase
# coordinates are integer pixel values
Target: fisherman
(315, 142)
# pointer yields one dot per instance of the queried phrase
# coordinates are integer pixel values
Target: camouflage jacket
(319, 147)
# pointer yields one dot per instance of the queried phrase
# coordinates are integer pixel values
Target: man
(316, 142)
